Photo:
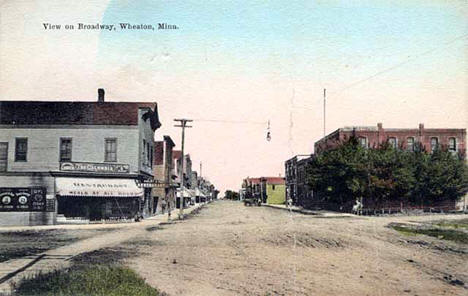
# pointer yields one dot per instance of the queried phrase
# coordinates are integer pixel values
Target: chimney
(380, 133)
(421, 132)
(100, 95)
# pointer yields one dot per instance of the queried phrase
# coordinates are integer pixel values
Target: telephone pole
(183, 125)
(324, 110)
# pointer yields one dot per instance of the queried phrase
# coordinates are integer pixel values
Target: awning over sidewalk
(94, 187)
(187, 193)
(199, 193)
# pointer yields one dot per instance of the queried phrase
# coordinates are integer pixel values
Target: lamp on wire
(268, 136)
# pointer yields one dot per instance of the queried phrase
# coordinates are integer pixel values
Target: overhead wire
(401, 63)
(231, 121)
(389, 69)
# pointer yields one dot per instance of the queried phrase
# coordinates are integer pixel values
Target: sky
(232, 66)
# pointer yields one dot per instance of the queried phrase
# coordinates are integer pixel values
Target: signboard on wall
(154, 184)
(28, 199)
(112, 168)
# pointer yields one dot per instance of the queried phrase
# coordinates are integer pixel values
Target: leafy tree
(384, 174)
(446, 176)
(339, 175)
(232, 195)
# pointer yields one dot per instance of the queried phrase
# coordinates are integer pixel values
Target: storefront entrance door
(95, 210)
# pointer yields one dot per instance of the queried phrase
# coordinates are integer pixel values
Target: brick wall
(374, 137)
(158, 152)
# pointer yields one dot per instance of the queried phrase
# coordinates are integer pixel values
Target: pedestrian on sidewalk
(163, 206)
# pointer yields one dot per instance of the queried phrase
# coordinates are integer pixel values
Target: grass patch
(105, 256)
(97, 280)
(462, 223)
(404, 230)
(446, 234)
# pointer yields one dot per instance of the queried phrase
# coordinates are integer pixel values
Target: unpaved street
(229, 249)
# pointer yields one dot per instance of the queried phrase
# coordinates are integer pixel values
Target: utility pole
(324, 110)
(200, 169)
(183, 125)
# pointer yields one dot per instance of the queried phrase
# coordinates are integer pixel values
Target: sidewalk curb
(159, 217)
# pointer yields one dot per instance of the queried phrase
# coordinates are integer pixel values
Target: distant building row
(270, 190)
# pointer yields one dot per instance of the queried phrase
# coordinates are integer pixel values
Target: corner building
(75, 160)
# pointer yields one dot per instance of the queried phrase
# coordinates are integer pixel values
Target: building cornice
(66, 126)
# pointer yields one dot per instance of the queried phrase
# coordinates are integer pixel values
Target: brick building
(164, 172)
(75, 160)
(403, 138)
(423, 139)
(295, 177)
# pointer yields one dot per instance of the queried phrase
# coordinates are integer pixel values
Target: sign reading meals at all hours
(113, 168)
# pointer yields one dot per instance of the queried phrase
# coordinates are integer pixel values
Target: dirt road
(229, 249)
(26, 251)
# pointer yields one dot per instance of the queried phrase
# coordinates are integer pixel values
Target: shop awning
(199, 193)
(93, 187)
(187, 193)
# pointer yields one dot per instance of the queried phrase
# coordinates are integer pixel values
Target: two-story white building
(75, 160)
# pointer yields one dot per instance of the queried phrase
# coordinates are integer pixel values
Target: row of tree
(232, 195)
(374, 176)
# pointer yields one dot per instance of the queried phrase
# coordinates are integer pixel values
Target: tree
(351, 172)
(232, 195)
(340, 175)
(446, 176)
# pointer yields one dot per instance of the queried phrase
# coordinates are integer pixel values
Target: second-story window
(392, 141)
(110, 150)
(410, 144)
(452, 147)
(3, 156)
(363, 141)
(148, 153)
(143, 158)
(151, 156)
(434, 144)
(65, 149)
(21, 150)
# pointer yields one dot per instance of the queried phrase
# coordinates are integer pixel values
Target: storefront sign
(94, 187)
(112, 168)
(153, 184)
(23, 199)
